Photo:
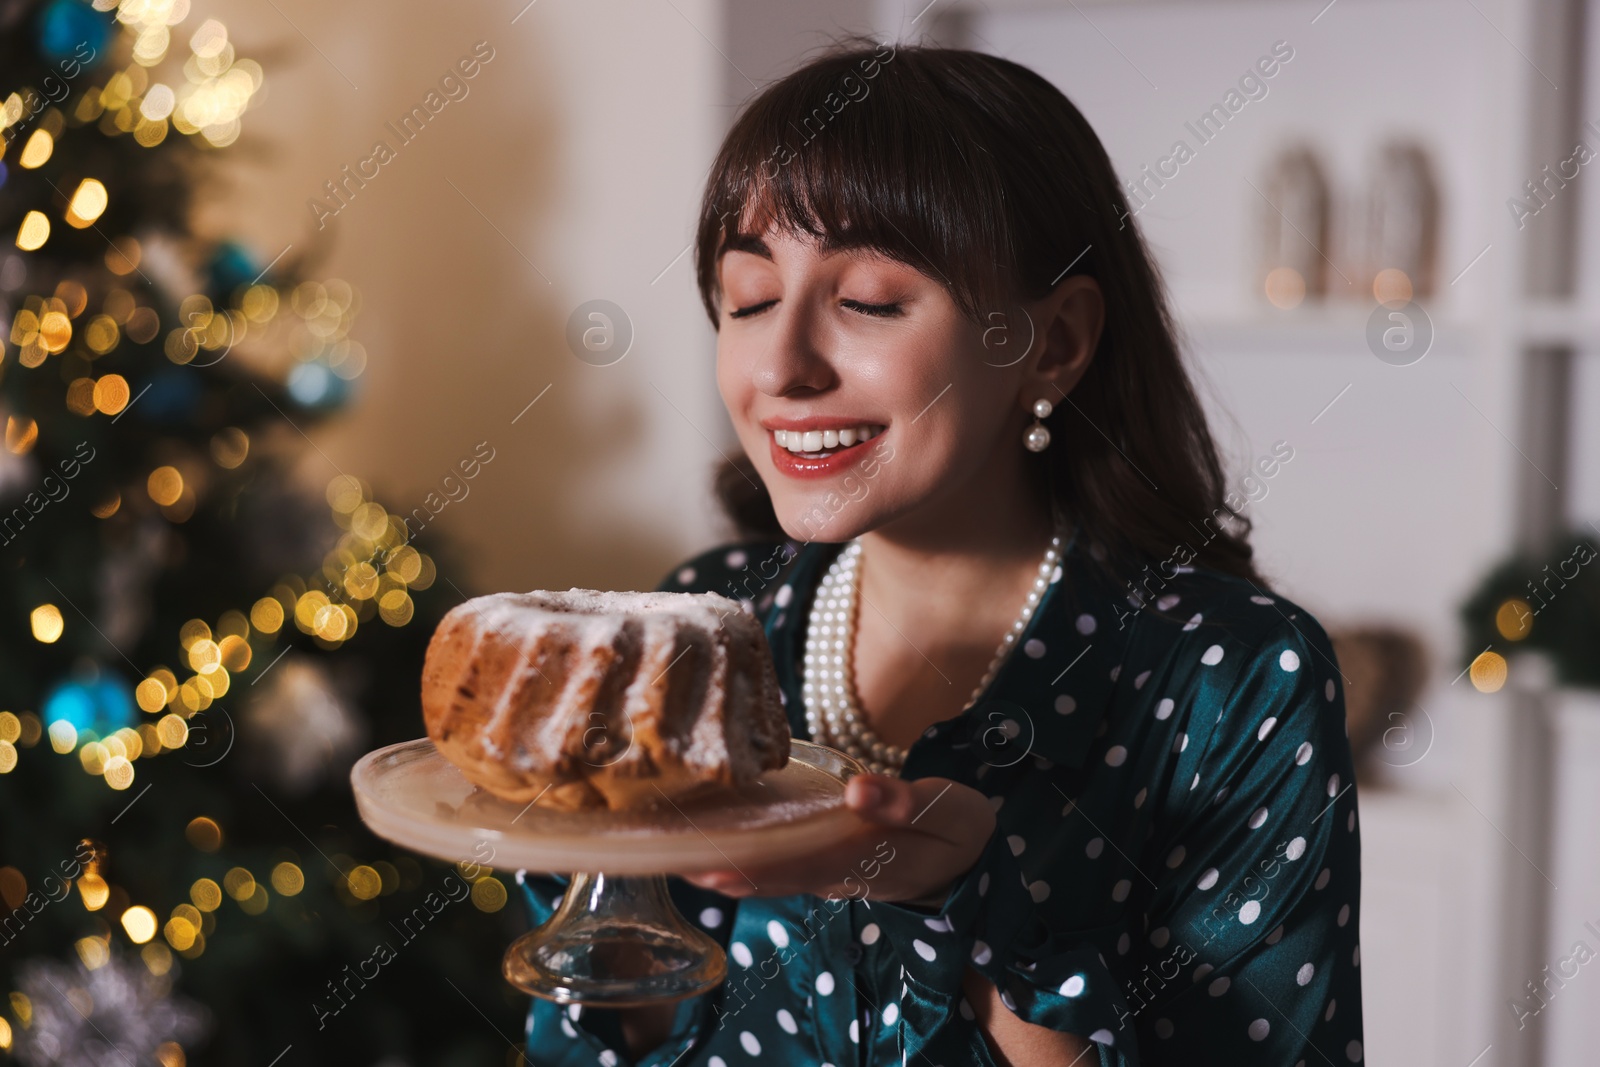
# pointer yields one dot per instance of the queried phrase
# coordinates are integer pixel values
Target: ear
(1070, 320)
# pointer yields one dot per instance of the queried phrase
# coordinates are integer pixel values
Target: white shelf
(1334, 327)
(1330, 327)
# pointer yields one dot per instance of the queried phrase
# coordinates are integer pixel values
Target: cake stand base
(615, 942)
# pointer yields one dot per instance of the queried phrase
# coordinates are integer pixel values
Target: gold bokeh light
(34, 231)
(88, 203)
(47, 623)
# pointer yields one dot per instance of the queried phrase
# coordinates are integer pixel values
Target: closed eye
(745, 312)
(880, 310)
(876, 310)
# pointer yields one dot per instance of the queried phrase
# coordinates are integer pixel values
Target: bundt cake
(591, 699)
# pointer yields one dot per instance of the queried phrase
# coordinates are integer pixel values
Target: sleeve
(1255, 911)
(989, 921)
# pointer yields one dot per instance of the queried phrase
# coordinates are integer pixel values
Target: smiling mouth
(820, 444)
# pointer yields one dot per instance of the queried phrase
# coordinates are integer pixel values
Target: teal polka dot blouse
(1174, 874)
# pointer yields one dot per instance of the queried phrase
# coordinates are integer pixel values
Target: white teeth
(824, 440)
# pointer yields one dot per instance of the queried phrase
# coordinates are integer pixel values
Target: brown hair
(981, 174)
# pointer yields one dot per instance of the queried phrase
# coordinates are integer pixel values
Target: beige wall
(584, 141)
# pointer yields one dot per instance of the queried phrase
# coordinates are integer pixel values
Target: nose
(793, 361)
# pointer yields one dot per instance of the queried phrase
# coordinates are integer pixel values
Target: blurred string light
(140, 924)
(204, 99)
(370, 574)
(1488, 672)
(371, 571)
(88, 203)
(216, 89)
(1514, 620)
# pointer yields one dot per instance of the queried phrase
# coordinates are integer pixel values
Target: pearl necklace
(828, 684)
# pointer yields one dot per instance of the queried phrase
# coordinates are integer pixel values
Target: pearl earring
(1038, 436)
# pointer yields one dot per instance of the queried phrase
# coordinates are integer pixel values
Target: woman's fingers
(815, 872)
(881, 799)
(954, 813)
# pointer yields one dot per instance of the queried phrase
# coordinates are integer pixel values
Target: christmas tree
(192, 651)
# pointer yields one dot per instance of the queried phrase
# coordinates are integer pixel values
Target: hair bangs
(887, 171)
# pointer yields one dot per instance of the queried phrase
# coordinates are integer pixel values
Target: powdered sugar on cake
(590, 698)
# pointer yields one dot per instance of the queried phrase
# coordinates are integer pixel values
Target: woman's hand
(914, 840)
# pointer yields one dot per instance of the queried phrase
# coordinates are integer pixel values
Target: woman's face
(857, 387)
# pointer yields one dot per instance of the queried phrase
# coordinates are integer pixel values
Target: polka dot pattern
(1199, 749)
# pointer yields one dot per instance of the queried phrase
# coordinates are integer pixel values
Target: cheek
(732, 383)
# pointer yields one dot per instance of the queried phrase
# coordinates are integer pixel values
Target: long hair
(981, 174)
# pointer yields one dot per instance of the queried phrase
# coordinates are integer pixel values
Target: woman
(988, 533)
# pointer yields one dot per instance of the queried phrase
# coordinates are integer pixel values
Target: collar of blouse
(1049, 699)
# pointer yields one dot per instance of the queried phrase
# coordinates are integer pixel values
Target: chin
(821, 518)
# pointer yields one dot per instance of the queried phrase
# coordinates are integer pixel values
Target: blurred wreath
(1547, 600)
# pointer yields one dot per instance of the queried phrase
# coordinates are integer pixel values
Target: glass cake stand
(616, 940)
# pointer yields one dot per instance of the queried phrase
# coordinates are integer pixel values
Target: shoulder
(1230, 626)
(1251, 675)
(742, 570)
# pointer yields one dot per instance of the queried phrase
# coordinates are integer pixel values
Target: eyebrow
(746, 242)
(752, 243)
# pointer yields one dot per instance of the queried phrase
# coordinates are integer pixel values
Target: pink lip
(796, 467)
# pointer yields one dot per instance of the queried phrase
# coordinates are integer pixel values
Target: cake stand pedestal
(616, 940)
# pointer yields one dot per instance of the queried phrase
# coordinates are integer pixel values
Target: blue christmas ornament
(231, 266)
(70, 702)
(313, 385)
(71, 29)
(102, 703)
